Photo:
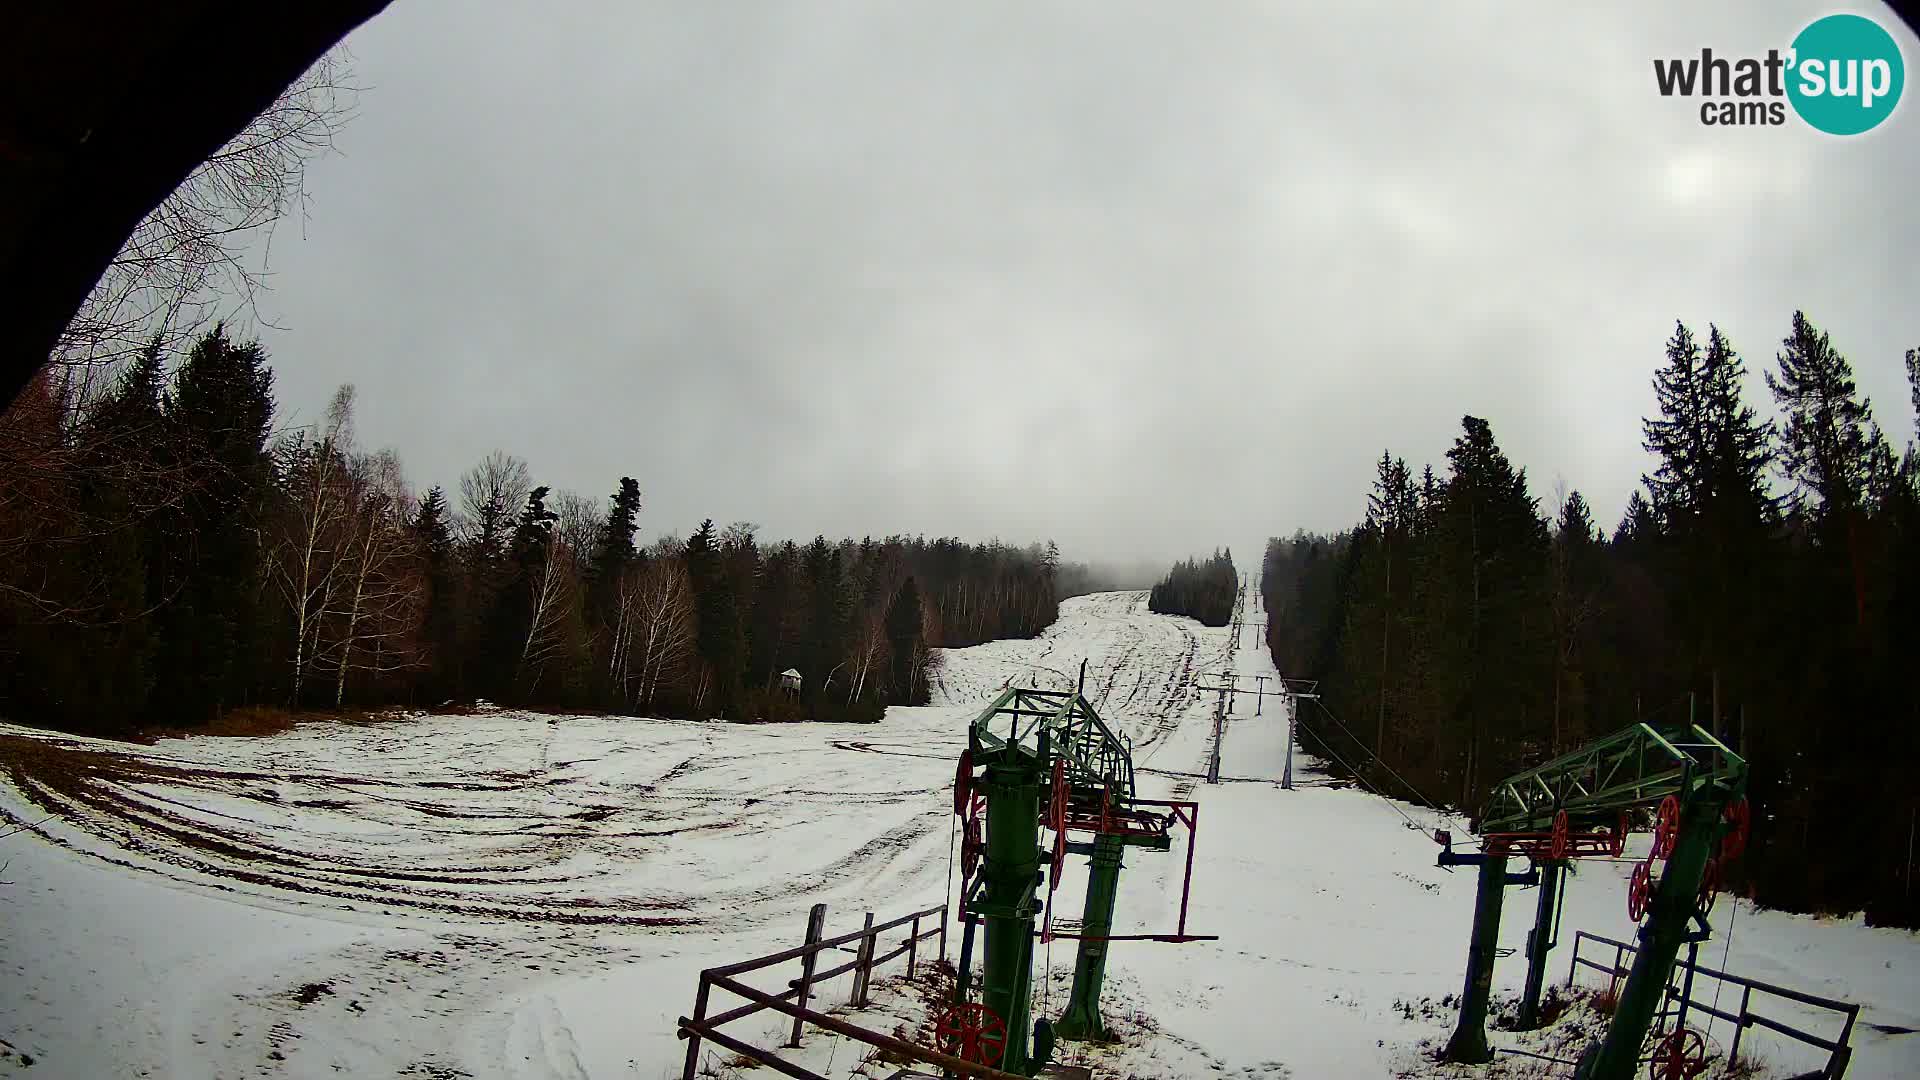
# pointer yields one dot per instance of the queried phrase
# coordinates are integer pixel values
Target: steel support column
(1082, 1018)
(1540, 941)
(1469, 1043)
(1010, 869)
(1665, 931)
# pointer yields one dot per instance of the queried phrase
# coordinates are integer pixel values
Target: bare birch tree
(380, 591)
(304, 555)
(491, 494)
(555, 597)
(582, 521)
(663, 623)
(870, 648)
(190, 258)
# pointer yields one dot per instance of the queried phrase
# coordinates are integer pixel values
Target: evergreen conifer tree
(211, 631)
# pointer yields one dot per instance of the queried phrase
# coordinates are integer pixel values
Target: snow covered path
(509, 895)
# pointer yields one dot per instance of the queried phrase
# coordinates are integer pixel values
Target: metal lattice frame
(1040, 722)
(1632, 767)
(1694, 777)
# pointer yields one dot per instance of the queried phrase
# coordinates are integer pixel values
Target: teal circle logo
(1846, 74)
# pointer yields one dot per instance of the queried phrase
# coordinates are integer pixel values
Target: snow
(512, 895)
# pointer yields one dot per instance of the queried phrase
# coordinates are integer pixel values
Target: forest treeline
(166, 556)
(1200, 590)
(1763, 581)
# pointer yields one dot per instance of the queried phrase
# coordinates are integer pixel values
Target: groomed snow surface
(511, 895)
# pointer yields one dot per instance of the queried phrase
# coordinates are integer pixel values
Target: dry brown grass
(1605, 1001)
(261, 721)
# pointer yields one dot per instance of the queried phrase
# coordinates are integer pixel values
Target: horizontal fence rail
(793, 1000)
(1680, 1000)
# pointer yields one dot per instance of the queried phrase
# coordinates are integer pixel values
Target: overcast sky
(1145, 278)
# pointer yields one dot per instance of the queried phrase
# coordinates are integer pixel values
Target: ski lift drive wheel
(963, 782)
(972, 1032)
(1059, 860)
(1562, 835)
(1639, 891)
(972, 843)
(1666, 829)
(1680, 1056)
(1617, 846)
(1057, 805)
(1740, 820)
(1709, 886)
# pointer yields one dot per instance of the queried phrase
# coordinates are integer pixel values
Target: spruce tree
(719, 639)
(440, 629)
(211, 632)
(1578, 579)
(608, 564)
(770, 632)
(826, 625)
(615, 551)
(513, 607)
(104, 656)
(906, 642)
(1492, 548)
(1638, 523)
(1828, 437)
(1678, 438)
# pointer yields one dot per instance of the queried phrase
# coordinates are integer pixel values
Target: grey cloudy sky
(1142, 277)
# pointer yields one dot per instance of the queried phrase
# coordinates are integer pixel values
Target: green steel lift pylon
(1046, 758)
(1575, 806)
(1081, 1020)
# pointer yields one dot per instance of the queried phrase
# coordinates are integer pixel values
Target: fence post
(1686, 986)
(1740, 1029)
(1845, 1054)
(943, 933)
(913, 946)
(863, 966)
(693, 1037)
(816, 928)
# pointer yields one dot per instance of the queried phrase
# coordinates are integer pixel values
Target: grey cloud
(1145, 278)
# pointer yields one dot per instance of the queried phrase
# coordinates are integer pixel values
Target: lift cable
(1417, 793)
(953, 833)
(1721, 984)
(1362, 780)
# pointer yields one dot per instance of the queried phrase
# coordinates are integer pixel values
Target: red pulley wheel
(1639, 891)
(1618, 844)
(1666, 828)
(1057, 807)
(1739, 821)
(972, 1032)
(1680, 1056)
(1562, 836)
(971, 848)
(963, 782)
(1059, 859)
(1709, 886)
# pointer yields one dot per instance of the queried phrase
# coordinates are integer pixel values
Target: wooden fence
(793, 1001)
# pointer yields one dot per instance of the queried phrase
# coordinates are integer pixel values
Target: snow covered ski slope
(509, 895)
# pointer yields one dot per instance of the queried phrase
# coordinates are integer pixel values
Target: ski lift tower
(1044, 758)
(1579, 805)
